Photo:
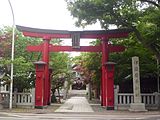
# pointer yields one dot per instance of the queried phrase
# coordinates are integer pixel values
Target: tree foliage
(24, 69)
(123, 71)
(141, 16)
(91, 63)
(60, 62)
(90, 68)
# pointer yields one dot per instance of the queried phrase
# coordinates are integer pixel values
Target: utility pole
(12, 55)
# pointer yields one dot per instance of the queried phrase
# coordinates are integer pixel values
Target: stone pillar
(1, 106)
(116, 90)
(137, 105)
(33, 97)
(65, 91)
(157, 100)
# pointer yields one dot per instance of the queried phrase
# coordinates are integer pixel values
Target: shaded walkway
(75, 104)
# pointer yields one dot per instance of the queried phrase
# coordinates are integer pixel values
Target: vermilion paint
(43, 83)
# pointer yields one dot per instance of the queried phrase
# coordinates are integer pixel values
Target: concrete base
(110, 108)
(49, 103)
(137, 107)
(1, 106)
(39, 107)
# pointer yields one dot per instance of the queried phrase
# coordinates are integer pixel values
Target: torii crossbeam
(107, 81)
(52, 48)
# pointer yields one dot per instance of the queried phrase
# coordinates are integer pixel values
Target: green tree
(141, 16)
(24, 70)
(23, 66)
(91, 62)
(123, 60)
(60, 62)
(90, 68)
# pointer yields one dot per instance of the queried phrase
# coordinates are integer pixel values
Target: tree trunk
(65, 90)
(141, 39)
(158, 89)
(59, 97)
(97, 92)
(89, 91)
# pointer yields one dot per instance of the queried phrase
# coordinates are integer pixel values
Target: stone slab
(137, 107)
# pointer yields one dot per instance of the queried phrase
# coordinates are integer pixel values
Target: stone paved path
(75, 104)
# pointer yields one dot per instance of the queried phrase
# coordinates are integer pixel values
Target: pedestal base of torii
(109, 108)
(137, 107)
(41, 107)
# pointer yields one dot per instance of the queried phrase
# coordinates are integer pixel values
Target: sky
(45, 14)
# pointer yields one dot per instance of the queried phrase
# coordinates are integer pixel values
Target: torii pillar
(43, 80)
(105, 55)
(45, 58)
(49, 84)
(107, 80)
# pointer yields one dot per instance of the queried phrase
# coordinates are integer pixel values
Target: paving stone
(75, 104)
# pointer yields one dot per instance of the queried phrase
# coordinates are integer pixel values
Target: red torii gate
(43, 85)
